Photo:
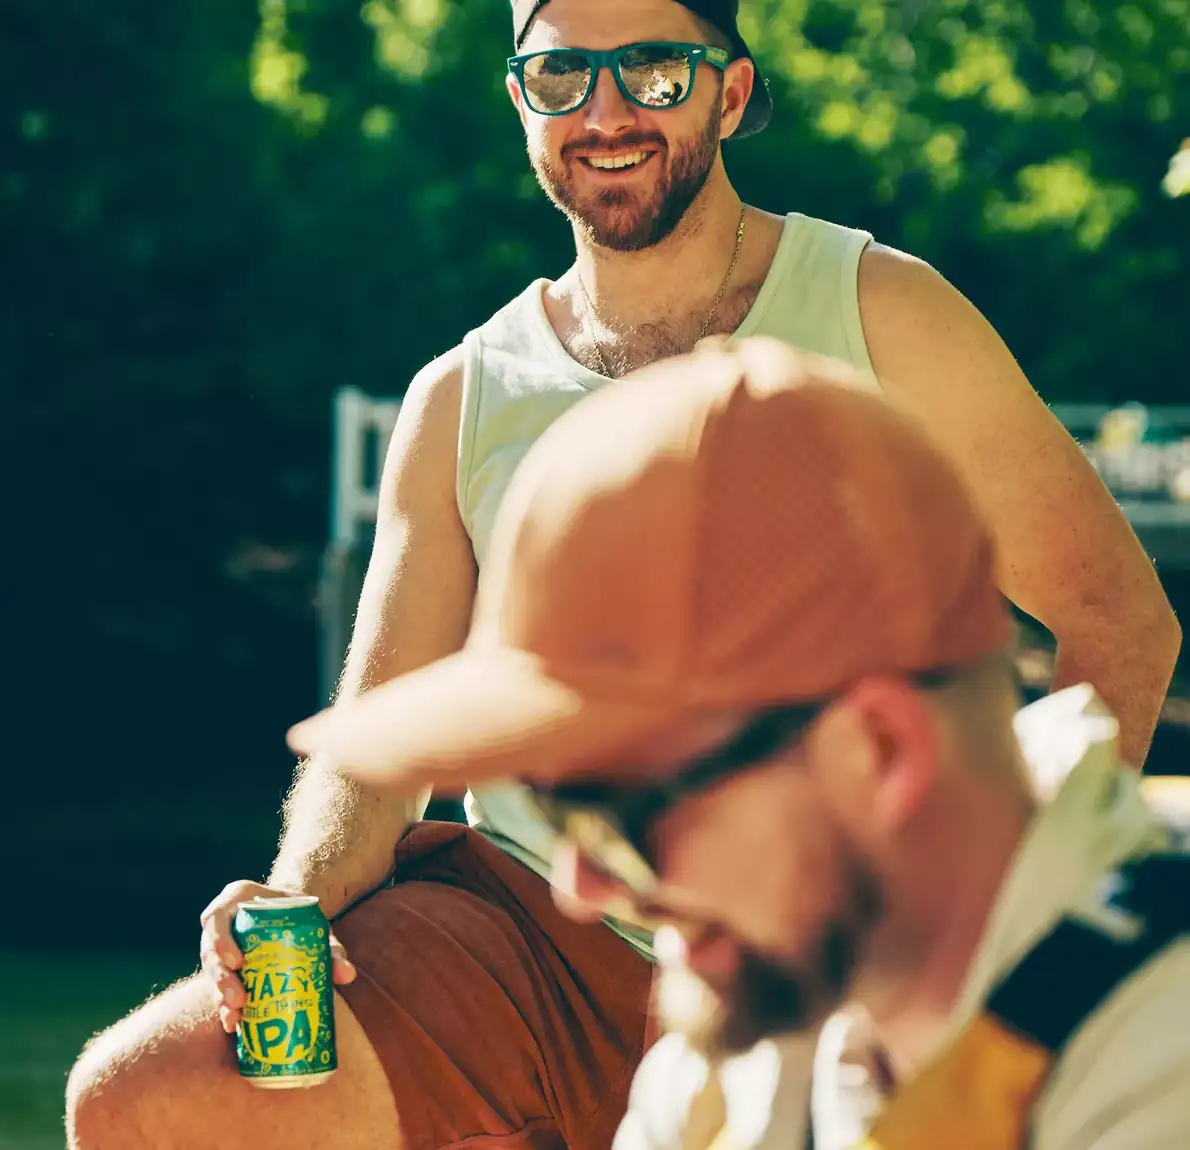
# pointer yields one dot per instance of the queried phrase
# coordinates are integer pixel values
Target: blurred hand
(221, 958)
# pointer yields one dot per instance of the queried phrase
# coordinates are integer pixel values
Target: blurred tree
(1177, 179)
(1020, 150)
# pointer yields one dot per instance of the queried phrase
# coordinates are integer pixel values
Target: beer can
(286, 1035)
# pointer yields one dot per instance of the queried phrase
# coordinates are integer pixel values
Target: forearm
(414, 608)
(337, 842)
(1129, 663)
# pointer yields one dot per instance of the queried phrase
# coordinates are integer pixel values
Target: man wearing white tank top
(470, 1008)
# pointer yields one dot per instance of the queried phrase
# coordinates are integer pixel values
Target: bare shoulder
(882, 266)
(914, 318)
(935, 354)
(933, 350)
(421, 458)
(887, 272)
(433, 398)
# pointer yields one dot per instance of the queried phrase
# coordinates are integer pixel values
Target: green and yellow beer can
(286, 1036)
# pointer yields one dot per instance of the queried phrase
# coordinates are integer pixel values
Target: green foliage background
(214, 215)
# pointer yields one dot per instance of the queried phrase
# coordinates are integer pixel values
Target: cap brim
(478, 716)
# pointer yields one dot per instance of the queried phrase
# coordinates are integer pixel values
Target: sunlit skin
(859, 864)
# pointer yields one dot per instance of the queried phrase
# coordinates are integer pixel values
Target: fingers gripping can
(286, 1037)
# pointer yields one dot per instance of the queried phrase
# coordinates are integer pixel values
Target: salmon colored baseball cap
(738, 528)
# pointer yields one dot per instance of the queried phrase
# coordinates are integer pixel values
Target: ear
(512, 84)
(881, 743)
(737, 88)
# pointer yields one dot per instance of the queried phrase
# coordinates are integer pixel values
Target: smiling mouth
(623, 162)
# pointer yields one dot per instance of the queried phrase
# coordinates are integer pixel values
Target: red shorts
(495, 1016)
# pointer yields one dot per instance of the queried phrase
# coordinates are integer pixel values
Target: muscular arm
(1068, 556)
(415, 607)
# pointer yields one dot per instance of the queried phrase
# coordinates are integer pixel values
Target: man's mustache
(601, 145)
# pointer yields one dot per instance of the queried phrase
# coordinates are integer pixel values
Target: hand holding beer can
(286, 1036)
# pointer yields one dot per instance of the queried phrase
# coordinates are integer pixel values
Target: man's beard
(770, 997)
(616, 218)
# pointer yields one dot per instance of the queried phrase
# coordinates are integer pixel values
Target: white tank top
(518, 378)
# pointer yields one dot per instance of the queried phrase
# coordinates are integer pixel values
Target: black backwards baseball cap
(723, 14)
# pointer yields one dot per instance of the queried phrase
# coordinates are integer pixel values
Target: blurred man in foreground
(788, 729)
(624, 104)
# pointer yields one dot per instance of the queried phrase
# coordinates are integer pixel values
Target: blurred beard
(769, 997)
(617, 218)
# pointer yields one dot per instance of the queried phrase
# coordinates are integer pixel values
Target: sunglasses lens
(556, 82)
(656, 75)
(598, 834)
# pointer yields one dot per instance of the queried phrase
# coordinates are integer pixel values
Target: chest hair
(627, 349)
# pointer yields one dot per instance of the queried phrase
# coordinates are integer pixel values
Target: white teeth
(607, 163)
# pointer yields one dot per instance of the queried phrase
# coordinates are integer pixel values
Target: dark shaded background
(212, 217)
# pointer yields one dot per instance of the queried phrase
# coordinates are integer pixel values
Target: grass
(51, 1004)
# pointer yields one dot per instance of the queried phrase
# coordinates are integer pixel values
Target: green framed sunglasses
(610, 823)
(650, 74)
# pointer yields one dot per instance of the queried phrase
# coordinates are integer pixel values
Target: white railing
(1150, 480)
(362, 428)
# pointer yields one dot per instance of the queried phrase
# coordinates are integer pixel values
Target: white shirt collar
(1093, 817)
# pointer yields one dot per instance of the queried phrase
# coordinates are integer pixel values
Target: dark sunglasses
(609, 823)
(652, 74)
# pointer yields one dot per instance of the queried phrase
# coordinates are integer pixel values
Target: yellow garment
(977, 1097)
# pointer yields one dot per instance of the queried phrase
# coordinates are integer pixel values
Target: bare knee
(135, 1082)
(165, 1077)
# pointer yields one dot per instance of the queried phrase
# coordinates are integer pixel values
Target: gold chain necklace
(589, 307)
